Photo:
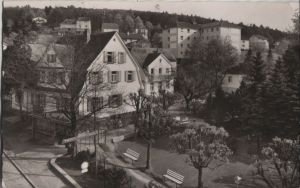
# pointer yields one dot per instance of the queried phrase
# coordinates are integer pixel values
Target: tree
(280, 164)
(204, 144)
(149, 26)
(129, 24)
(139, 23)
(55, 17)
(118, 20)
(20, 72)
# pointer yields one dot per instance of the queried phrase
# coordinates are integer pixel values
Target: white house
(107, 74)
(39, 20)
(232, 82)
(73, 26)
(222, 30)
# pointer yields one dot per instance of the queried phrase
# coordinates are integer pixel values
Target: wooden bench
(134, 156)
(174, 177)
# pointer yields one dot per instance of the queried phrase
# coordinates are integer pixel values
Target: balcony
(163, 77)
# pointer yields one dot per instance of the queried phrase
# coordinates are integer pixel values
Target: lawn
(162, 159)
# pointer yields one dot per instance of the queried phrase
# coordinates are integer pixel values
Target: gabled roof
(259, 37)
(186, 25)
(83, 19)
(69, 21)
(149, 59)
(110, 26)
(220, 24)
(63, 53)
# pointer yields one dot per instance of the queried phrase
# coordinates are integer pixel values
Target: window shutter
(126, 74)
(89, 104)
(101, 76)
(124, 57)
(119, 76)
(108, 76)
(133, 75)
(104, 57)
(109, 100)
(114, 57)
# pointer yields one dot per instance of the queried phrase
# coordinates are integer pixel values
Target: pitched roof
(64, 54)
(187, 25)
(220, 24)
(69, 21)
(131, 36)
(110, 26)
(149, 59)
(259, 37)
(83, 19)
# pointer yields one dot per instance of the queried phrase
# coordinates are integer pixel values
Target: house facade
(222, 30)
(110, 75)
(232, 82)
(179, 38)
(72, 26)
(245, 45)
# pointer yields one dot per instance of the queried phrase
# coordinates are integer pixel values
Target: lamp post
(237, 181)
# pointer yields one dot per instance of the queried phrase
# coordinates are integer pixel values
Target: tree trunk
(148, 163)
(187, 104)
(200, 183)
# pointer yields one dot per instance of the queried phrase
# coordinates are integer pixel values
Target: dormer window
(51, 58)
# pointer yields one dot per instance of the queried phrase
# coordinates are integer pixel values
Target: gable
(160, 61)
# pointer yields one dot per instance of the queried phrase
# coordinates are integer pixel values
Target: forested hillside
(20, 18)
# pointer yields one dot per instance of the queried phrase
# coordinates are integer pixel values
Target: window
(167, 70)
(188, 30)
(181, 37)
(129, 76)
(160, 71)
(169, 31)
(152, 86)
(115, 76)
(94, 104)
(96, 77)
(207, 37)
(168, 45)
(42, 76)
(52, 77)
(51, 58)
(19, 96)
(115, 101)
(122, 57)
(212, 29)
(188, 38)
(181, 45)
(61, 78)
(40, 100)
(109, 57)
(152, 71)
(168, 38)
(188, 45)
(229, 79)
(60, 104)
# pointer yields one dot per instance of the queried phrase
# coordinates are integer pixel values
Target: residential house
(233, 78)
(109, 27)
(179, 38)
(72, 26)
(159, 71)
(222, 30)
(135, 40)
(39, 20)
(258, 43)
(105, 71)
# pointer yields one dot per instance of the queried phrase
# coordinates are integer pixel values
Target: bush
(116, 178)
(83, 156)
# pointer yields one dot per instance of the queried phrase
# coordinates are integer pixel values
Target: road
(31, 157)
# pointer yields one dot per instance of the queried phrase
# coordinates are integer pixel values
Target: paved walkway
(30, 157)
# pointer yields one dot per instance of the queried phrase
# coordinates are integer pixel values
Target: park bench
(174, 177)
(134, 156)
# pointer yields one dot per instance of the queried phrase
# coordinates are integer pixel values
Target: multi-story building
(245, 45)
(179, 38)
(109, 27)
(106, 73)
(222, 30)
(72, 26)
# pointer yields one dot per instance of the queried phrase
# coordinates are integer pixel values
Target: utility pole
(1, 108)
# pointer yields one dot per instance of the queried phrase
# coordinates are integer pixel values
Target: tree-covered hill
(20, 17)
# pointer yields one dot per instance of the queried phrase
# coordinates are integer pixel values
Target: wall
(234, 84)
(234, 35)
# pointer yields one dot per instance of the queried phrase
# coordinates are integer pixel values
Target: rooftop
(220, 24)
(83, 19)
(186, 25)
(69, 21)
(110, 26)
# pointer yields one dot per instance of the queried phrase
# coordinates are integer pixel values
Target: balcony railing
(155, 78)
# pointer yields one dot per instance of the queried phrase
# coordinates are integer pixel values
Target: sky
(273, 13)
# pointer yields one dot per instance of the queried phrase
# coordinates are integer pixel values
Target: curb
(62, 173)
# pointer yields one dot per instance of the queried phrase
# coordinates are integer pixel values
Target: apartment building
(109, 27)
(222, 30)
(179, 38)
(258, 43)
